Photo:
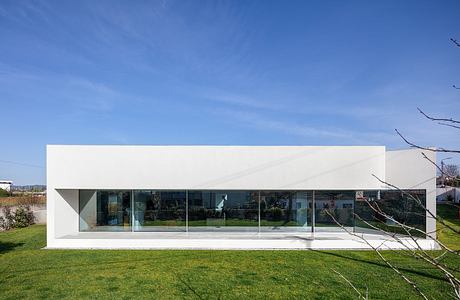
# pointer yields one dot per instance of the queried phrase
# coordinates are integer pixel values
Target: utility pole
(442, 170)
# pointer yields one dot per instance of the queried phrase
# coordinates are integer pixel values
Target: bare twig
(438, 167)
(455, 42)
(408, 230)
(438, 119)
(455, 87)
(440, 220)
(425, 148)
(449, 125)
(422, 254)
(376, 249)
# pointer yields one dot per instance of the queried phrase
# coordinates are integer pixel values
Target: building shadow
(8, 246)
(376, 262)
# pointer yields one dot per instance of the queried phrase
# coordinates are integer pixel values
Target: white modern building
(235, 197)
(6, 185)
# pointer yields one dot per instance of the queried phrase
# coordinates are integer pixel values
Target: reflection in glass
(406, 207)
(340, 204)
(105, 210)
(223, 209)
(281, 209)
(110, 210)
(159, 210)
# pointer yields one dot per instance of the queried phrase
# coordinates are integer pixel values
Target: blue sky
(223, 73)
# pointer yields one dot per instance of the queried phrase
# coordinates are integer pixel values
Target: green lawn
(26, 271)
(447, 236)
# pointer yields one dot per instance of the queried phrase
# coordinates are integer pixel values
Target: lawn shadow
(8, 246)
(381, 264)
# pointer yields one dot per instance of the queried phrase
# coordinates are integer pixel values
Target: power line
(21, 164)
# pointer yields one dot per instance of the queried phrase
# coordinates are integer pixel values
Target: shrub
(7, 221)
(22, 217)
(4, 193)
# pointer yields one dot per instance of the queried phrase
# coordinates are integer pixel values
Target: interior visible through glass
(159, 210)
(249, 211)
(218, 210)
(285, 210)
(105, 210)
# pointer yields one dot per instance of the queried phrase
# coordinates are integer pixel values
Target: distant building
(6, 185)
(448, 193)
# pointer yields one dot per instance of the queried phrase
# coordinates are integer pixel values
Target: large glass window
(105, 210)
(339, 204)
(156, 210)
(406, 207)
(159, 210)
(217, 210)
(285, 210)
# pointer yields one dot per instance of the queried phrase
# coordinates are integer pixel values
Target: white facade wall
(214, 167)
(70, 168)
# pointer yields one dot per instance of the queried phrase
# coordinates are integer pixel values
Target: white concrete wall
(214, 167)
(408, 169)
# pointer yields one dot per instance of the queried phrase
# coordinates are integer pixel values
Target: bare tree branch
(455, 87)
(438, 119)
(450, 125)
(421, 253)
(440, 220)
(405, 227)
(455, 42)
(425, 148)
(438, 167)
(376, 249)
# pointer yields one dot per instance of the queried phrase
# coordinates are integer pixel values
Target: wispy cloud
(292, 106)
(70, 93)
(304, 130)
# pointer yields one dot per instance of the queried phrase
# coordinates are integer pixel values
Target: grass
(449, 213)
(26, 271)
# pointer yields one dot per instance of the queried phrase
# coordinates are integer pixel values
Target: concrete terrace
(237, 240)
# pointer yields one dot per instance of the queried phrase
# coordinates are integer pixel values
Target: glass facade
(253, 211)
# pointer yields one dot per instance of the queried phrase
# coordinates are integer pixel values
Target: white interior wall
(62, 214)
